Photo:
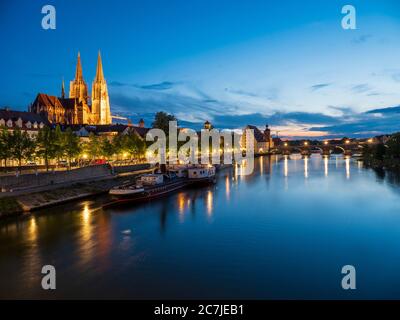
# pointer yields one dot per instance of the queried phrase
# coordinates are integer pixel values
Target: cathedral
(76, 108)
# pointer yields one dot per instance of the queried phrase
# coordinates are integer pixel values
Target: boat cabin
(152, 179)
(201, 172)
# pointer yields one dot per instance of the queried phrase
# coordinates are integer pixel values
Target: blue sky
(288, 63)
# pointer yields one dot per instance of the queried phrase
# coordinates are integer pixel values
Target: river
(285, 231)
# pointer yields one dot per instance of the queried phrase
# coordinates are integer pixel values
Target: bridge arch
(339, 147)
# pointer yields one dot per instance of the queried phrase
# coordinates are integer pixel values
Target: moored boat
(148, 186)
(201, 174)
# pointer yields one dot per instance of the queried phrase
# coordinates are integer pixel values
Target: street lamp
(305, 143)
(370, 140)
(285, 144)
(347, 141)
(325, 142)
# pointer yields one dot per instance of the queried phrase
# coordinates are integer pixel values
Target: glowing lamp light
(325, 142)
(347, 141)
(285, 144)
(306, 143)
(85, 156)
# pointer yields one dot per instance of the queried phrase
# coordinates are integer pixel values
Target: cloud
(362, 39)
(361, 88)
(319, 86)
(165, 85)
(192, 106)
(373, 122)
(342, 110)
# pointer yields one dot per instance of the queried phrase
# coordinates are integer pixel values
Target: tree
(134, 145)
(70, 145)
(58, 143)
(394, 146)
(22, 146)
(161, 121)
(379, 151)
(5, 146)
(46, 145)
(93, 147)
(106, 148)
(118, 143)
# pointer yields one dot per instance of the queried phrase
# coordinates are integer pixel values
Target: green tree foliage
(70, 145)
(46, 146)
(93, 146)
(5, 146)
(161, 121)
(106, 148)
(22, 146)
(393, 150)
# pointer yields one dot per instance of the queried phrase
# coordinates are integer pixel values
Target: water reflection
(86, 235)
(253, 224)
(286, 171)
(227, 187)
(347, 160)
(209, 203)
(306, 167)
(326, 167)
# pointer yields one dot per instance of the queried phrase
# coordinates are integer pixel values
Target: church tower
(63, 89)
(100, 102)
(78, 87)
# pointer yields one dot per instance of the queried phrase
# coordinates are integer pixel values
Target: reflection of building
(24, 121)
(263, 142)
(76, 108)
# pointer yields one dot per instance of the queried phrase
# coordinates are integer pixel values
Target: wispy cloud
(319, 86)
(360, 88)
(362, 39)
(165, 85)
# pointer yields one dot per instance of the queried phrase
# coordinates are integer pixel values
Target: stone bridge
(346, 147)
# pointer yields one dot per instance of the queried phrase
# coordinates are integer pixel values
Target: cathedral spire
(99, 71)
(78, 72)
(63, 89)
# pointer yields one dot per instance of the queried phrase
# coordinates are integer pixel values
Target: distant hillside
(386, 110)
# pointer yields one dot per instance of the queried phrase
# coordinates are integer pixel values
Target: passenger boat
(149, 186)
(201, 174)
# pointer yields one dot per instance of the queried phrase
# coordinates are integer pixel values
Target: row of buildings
(86, 114)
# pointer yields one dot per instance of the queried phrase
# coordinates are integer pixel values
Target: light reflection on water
(283, 232)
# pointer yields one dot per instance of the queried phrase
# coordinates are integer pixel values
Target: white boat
(126, 190)
(201, 173)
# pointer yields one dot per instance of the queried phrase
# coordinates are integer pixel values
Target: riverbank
(385, 164)
(15, 205)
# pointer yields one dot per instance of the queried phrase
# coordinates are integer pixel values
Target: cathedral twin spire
(99, 69)
(100, 108)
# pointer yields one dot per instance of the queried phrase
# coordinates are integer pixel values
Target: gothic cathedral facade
(76, 109)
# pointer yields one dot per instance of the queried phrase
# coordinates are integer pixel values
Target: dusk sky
(286, 63)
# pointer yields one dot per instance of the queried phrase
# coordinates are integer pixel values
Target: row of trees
(54, 144)
(380, 154)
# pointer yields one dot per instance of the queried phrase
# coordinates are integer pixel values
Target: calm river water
(286, 231)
